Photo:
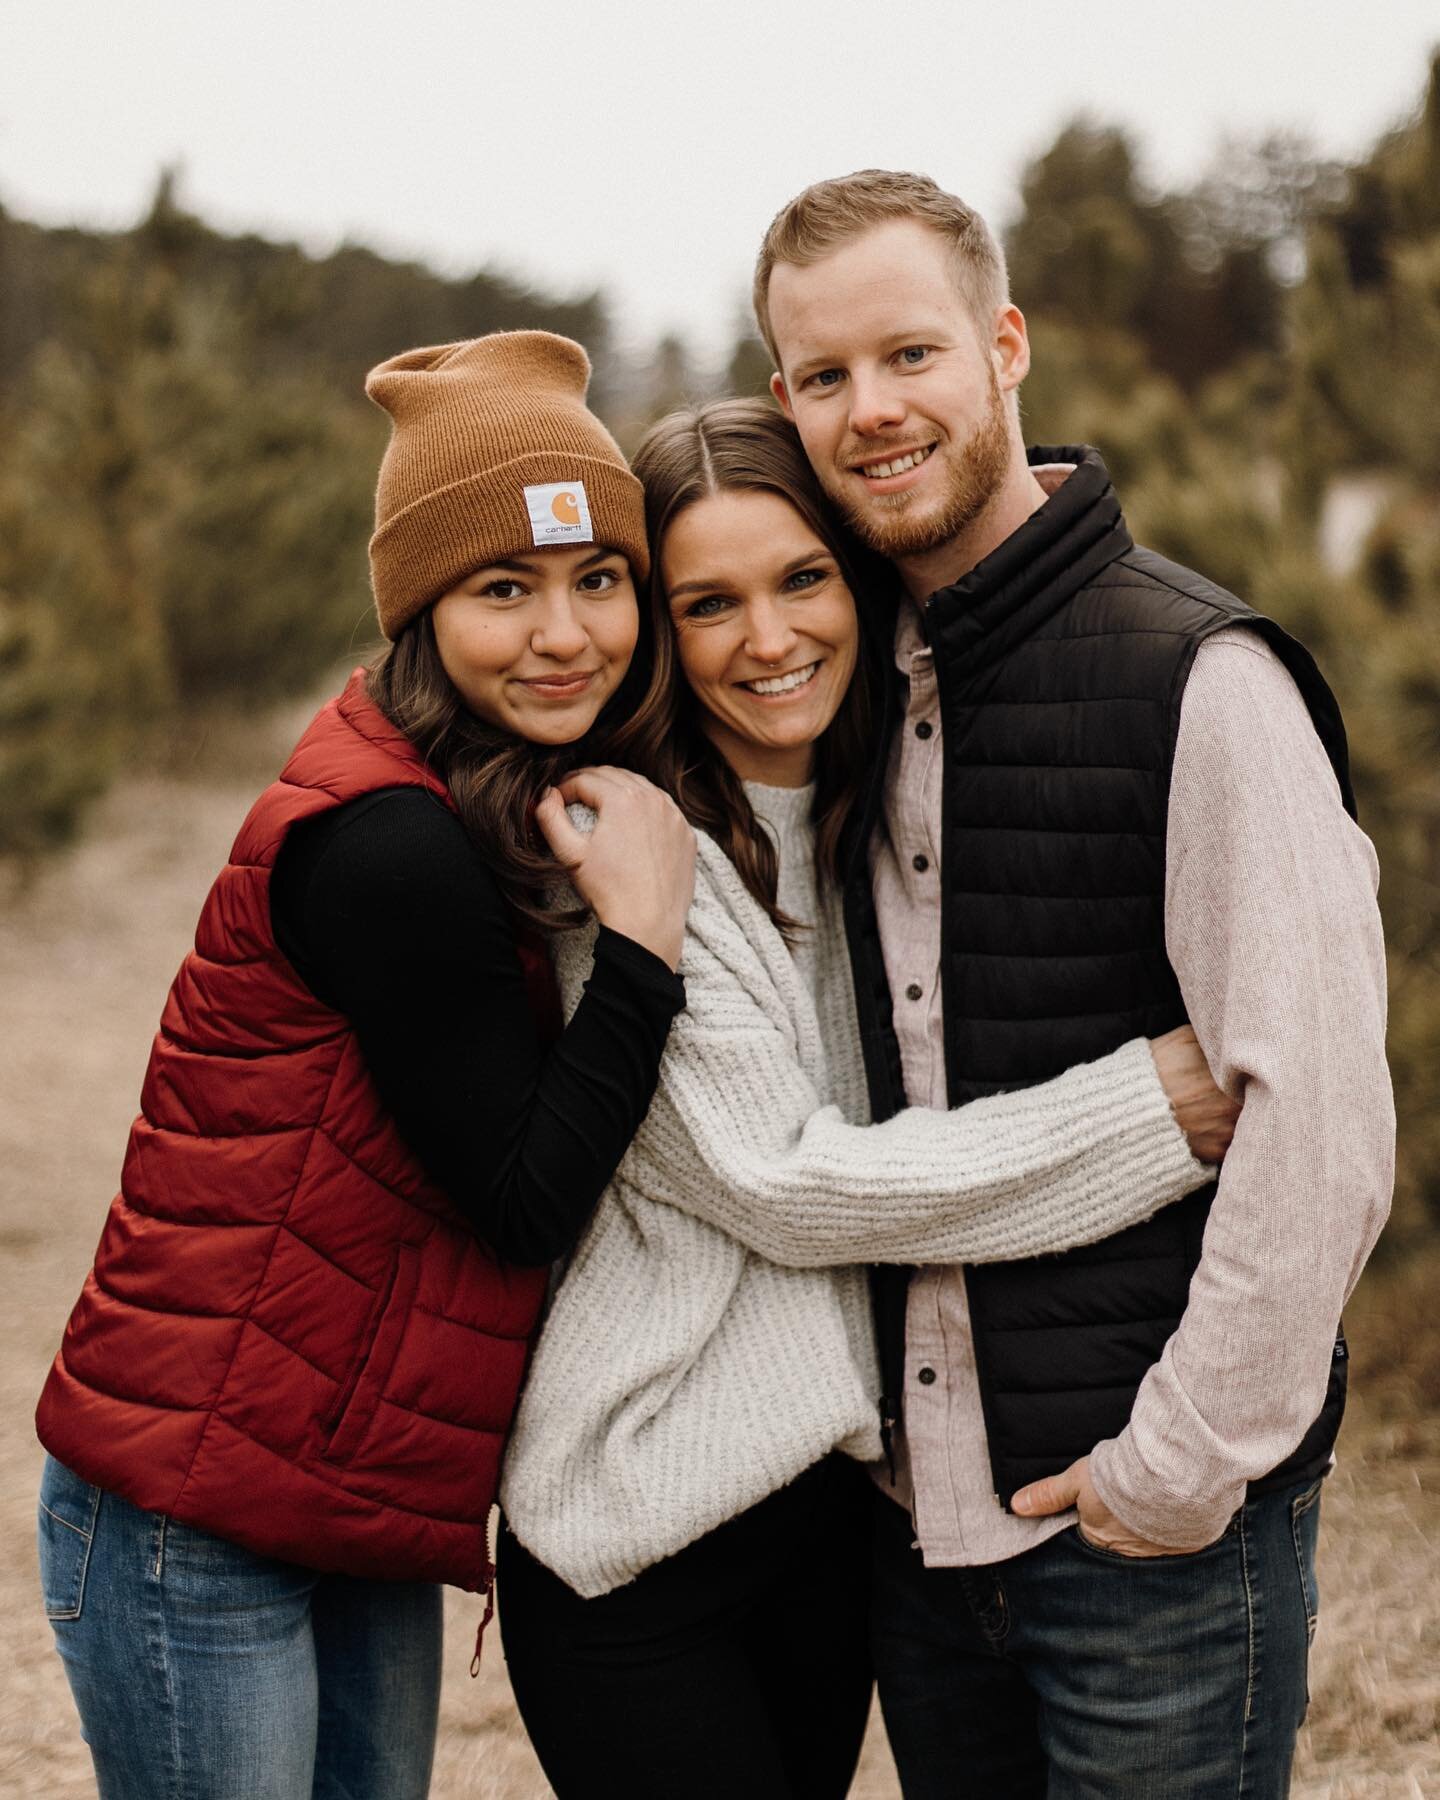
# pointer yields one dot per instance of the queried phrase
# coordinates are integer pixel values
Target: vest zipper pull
(487, 1588)
(888, 1422)
(489, 1592)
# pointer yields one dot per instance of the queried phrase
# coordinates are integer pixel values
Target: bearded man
(1115, 797)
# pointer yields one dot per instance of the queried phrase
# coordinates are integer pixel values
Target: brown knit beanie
(493, 453)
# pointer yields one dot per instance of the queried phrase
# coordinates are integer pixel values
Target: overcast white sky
(643, 145)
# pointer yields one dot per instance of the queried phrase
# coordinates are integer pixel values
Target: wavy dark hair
(496, 778)
(748, 446)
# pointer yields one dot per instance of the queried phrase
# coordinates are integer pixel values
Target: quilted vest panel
(289, 1337)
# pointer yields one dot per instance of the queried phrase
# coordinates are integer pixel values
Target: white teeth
(782, 684)
(878, 470)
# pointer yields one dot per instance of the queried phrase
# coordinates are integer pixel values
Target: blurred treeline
(1259, 360)
(186, 462)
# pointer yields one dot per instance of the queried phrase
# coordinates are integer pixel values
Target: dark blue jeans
(205, 1672)
(1072, 1672)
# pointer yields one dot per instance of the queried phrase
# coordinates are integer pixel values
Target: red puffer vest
(289, 1337)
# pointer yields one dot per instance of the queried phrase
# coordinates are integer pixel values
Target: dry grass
(1374, 1725)
(86, 953)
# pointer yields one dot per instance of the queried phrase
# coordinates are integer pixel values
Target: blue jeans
(204, 1672)
(1072, 1673)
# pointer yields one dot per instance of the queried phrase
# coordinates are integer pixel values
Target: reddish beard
(887, 523)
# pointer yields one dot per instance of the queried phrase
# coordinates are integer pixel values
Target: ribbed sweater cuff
(1153, 1154)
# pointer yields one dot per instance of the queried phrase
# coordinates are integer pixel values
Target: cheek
(701, 657)
(819, 427)
(849, 658)
(617, 631)
(474, 648)
(843, 673)
(958, 407)
(839, 627)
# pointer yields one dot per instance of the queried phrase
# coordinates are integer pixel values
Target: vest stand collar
(1007, 596)
(365, 718)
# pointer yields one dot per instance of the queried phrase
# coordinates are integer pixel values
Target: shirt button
(926, 1376)
(914, 991)
(920, 864)
(924, 729)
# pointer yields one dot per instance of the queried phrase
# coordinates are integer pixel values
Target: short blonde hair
(829, 213)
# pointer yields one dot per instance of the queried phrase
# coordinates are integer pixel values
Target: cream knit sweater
(711, 1337)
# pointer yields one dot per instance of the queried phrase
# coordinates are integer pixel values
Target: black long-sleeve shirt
(389, 914)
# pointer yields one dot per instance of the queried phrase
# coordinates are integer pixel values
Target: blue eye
(806, 578)
(825, 378)
(914, 354)
(707, 607)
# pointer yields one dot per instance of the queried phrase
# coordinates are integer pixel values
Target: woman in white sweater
(683, 1561)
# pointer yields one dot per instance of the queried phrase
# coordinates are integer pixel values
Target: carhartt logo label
(559, 513)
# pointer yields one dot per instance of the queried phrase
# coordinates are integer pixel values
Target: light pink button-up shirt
(1272, 928)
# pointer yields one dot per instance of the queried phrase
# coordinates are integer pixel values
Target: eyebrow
(818, 554)
(530, 568)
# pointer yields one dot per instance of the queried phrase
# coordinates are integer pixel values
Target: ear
(782, 399)
(1010, 348)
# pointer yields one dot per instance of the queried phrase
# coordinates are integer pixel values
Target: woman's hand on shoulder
(1204, 1112)
(636, 869)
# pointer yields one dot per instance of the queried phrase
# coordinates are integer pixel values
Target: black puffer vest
(1061, 661)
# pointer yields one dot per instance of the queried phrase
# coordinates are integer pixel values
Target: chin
(800, 739)
(553, 733)
(896, 534)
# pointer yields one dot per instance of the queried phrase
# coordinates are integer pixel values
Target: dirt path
(86, 956)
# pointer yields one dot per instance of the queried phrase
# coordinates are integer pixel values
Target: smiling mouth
(781, 684)
(559, 687)
(896, 465)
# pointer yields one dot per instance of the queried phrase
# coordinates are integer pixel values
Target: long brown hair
(747, 446)
(494, 777)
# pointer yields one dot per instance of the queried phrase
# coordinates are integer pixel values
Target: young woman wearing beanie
(686, 1548)
(276, 1418)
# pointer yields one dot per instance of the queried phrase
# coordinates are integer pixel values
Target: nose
(769, 636)
(559, 632)
(875, 404)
